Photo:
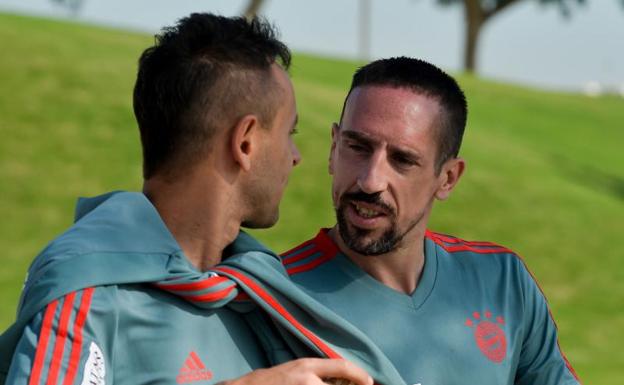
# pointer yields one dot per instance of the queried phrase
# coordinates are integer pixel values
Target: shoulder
(65, 334)
(485, 261)
(478, 251)
(309, 254)
(101, 300)
(481, 257)
(120, 222)
(119, 240)
(452, 244)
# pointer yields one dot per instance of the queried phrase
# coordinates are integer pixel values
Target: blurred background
(545, 86)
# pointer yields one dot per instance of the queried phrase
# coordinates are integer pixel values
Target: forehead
(284, 85)
(282, 97)
(399, 116)
(282, 80)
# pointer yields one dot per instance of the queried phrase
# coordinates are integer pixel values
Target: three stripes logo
(193, 370)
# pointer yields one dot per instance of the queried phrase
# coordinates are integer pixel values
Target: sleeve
(270, 339)
(68, 342)
(541, 359)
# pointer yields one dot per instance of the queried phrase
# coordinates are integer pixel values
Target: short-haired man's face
(383, 166)
(278, 155)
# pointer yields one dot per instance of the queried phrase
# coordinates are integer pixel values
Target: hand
(307, 371)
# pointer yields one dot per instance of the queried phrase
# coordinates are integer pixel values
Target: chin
(261, 222)
(366, 242)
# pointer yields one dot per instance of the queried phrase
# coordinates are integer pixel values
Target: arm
(541, 358)
(307, 371)
(292, 371)
(55, 348)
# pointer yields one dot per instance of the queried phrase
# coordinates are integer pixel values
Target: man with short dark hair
(443, 310)
(130, 293)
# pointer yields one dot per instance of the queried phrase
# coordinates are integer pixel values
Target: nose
(373, 177)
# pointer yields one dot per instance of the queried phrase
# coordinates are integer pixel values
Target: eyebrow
(358, 136)
(296, 120)
(368, 140)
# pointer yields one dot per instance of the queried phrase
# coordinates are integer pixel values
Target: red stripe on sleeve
(460, 245)
(322, 242)
(565, 359)
(298, 257)
(285, 254)
(325, 243)
(496, 250)
(76, 349)
(329, 352)
(310, 265)
(42, 344)
(450, 239)
(193, 286)
(212, 296)
(61, 336)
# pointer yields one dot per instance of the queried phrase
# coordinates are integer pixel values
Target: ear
(451, 171)
(243, 140)
(334, 135)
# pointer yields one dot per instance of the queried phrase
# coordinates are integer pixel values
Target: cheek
(415, 196)
(342, 179)
(344, 167)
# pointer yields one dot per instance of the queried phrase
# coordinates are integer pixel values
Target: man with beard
(443, 310)
(130, 293)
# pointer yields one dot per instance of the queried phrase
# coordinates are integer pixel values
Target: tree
(478, 12)
(364, 23)
(252, 8)
(364, 29)
(72, 5)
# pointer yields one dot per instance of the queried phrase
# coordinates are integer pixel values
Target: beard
(358, 239)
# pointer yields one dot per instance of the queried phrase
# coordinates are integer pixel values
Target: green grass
(544, 170)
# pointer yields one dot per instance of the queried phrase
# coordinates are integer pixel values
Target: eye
(357, 147)
(294, 131)
(404, 161)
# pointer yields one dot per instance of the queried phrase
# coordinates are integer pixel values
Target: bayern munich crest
(489, 336)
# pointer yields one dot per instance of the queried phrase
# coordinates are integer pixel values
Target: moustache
(360, 196)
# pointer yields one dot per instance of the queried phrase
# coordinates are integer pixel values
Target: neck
(399, 269)
(202, 217)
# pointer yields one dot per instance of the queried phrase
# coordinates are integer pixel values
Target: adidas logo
(193, 370)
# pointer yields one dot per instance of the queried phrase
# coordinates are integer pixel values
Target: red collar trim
(324, 242)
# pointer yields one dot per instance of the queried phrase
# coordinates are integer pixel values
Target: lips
(366, 212)
(365, 215)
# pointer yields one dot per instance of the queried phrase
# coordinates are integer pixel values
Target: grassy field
(544, 170)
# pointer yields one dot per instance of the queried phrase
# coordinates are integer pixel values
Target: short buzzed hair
(427, 79)
(201, 76)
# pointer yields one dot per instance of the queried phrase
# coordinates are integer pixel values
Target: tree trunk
(253, 6)
(364, 29)
(474, 17)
